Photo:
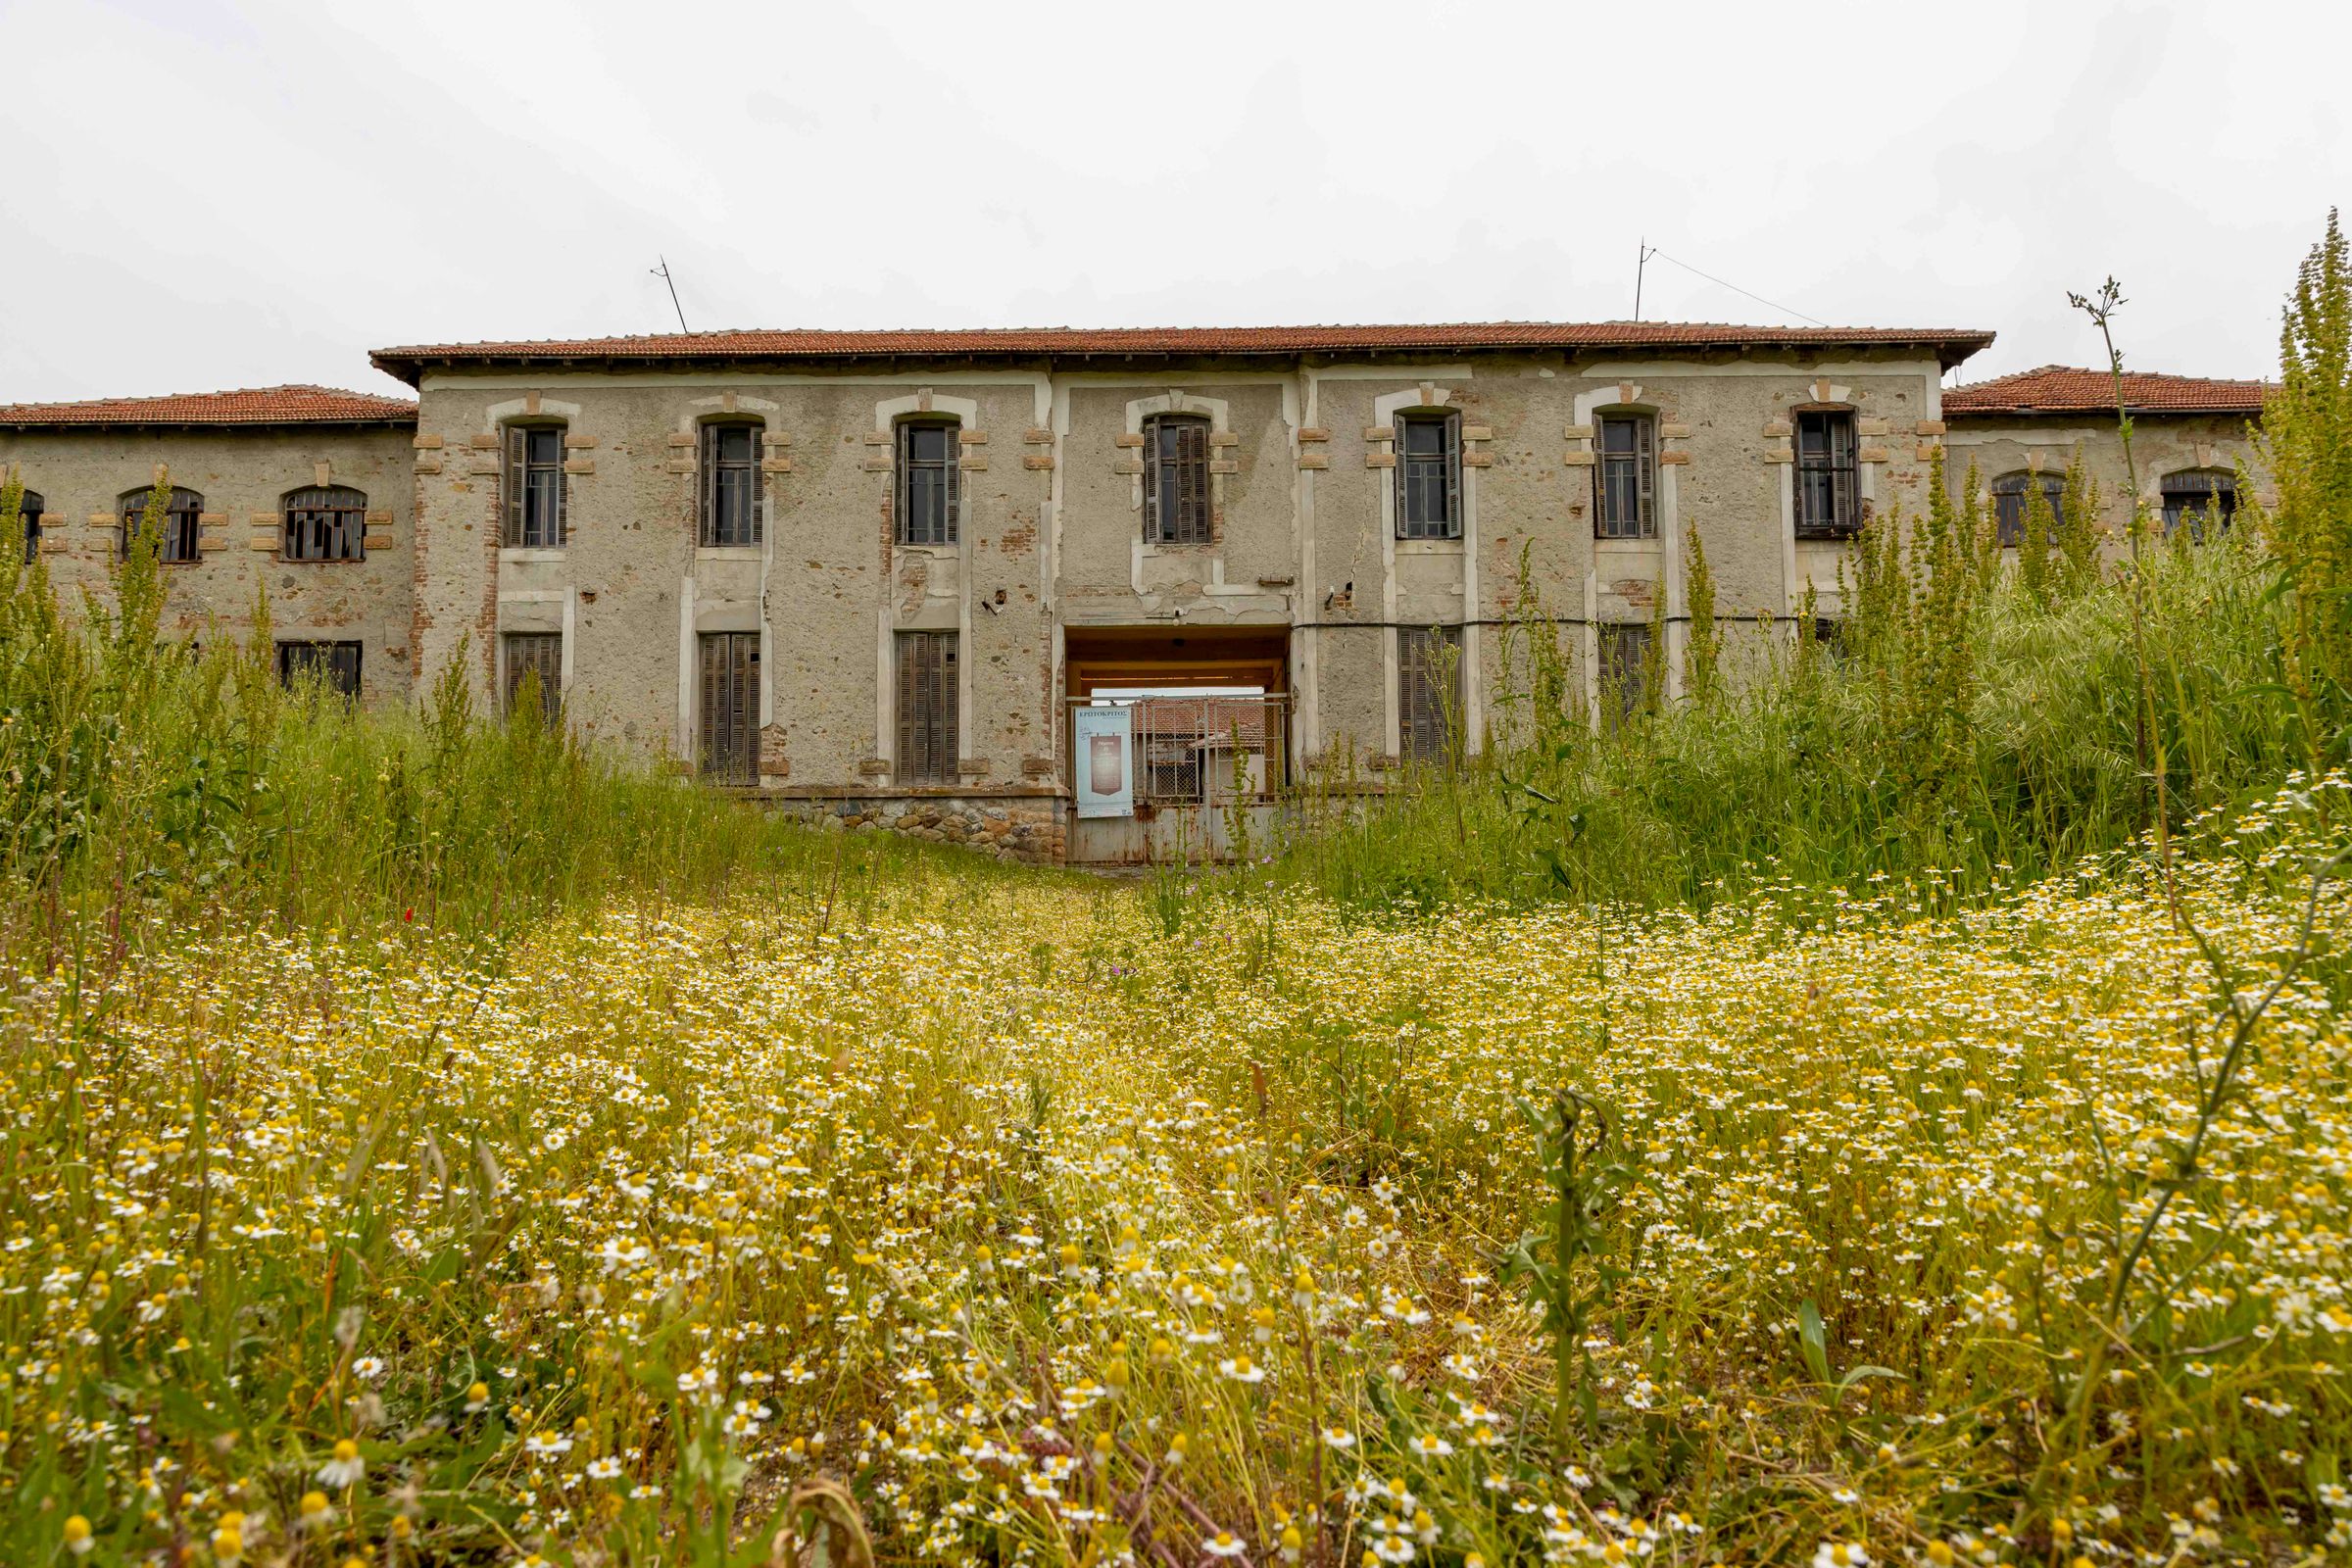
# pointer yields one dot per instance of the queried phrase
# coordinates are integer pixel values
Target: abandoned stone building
(1066, 594)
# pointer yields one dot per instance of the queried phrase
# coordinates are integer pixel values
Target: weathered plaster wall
(244, 476)
(2160, 444)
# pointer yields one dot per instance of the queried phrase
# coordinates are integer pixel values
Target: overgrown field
(1058, 1229)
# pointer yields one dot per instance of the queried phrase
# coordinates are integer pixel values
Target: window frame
(1841, 474)
(1195, 521)
(713, 530)
(929, 749)
(300, 525)
(546, 658)
(1447, 460)
(1612, 674)
(2181, 491)
(30, 507)
(517, 521)
(726, 718)
(1426, 710)
(2013, 498)
(181, 543)
(946, 529)
(297, 656)
(1643, 459)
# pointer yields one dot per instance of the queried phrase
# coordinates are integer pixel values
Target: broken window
(336, 665)
(1176, 510)
(1429, 476)
(926, 708)
(1429, 690)
(729, 752)
(2199, 496)
(176, 540)
(1828, 492)
(28, 511)
(930, 453)
(327, 524)
(2012, 498)
(1625, 480)
(1624, 673)
(535, 488)
(534, 659)
(732, 506)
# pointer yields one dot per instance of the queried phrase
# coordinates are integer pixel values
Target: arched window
(1828, 491)
(327, 522)
(176, 540)
(2196, 496)
(2012, 497)
(30, 508)
(536, 490)
(731, 502)
(1625, 479)
(930, 462)
(1176, 505)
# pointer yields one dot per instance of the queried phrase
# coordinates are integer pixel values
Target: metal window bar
(929, 467)
(180, 527)
(538, 654)
(2194, 495)
(1625, 480)
(1429, 476)
(733, 505)
(2012, 497)
(326, 523)
(336, 663)
(1828, 482)
(1176, 482)
(1209, 751)
(535, 486)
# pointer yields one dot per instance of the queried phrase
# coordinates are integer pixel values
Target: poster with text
(1104, 739)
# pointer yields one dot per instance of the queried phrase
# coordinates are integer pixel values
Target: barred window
(326, 523)
(1625, 651)
(733, 507)
(730, 706)
(535, 488)
(1625, 480)
(2197, 497)
(1176, 510)
(176, 537)
(336, 665)
(2012, 498)
(929, 478)
(926, 706)
(28, 511)
(1429, 690)
(534, 660)
(1829, 497)
(1429, 476)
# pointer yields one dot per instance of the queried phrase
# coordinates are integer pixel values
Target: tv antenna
(1640, 265)
(662, 272)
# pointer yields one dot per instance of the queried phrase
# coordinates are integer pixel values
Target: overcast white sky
(204, 195)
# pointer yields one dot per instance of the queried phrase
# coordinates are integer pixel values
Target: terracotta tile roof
(268, 404)
(2063, 389)
(1951, 345)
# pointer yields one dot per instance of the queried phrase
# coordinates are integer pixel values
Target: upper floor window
(534, 487)
(28, 511)
(732, 506)
(328, 522)
(2013, 498)
(1176, 509)
(176, 532)
(930, 453)
(336, 665)
(1828, 491)
(2196, 496)
(1429, 476)
(1625, 477)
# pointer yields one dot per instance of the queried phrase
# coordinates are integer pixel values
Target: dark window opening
(335, 664)
(930, 454)
(535, 657)
(926, 708)
(1625, 479)
(1176, 494)
(2012, 498)
(1429, 476)
(29, 511)
(1828, 493)
(1625, 675)
(1429, 690)
(2196, 497)
(535, 488)
(732, 505)
(730, 706)
(327, 523)
(177, 539)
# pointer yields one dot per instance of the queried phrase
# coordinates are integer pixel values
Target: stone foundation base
(1030, 829)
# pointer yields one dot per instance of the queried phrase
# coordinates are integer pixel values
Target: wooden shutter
(517, 471)
(705, 485)
(1453, 448)
(1646, 459)
(926, 706)
(1403, 464)
(1192, 475)
(910, 767)
(757, 481)
(563, 491)
(953, 479)
(1155, 527)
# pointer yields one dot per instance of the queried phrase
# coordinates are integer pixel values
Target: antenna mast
(1640, 265)
(662, 272)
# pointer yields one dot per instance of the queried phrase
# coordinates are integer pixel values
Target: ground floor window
(1429, 690)
(1625, 675)
(730, 706)
(534, 663)
(926, 706)
(335, 664)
